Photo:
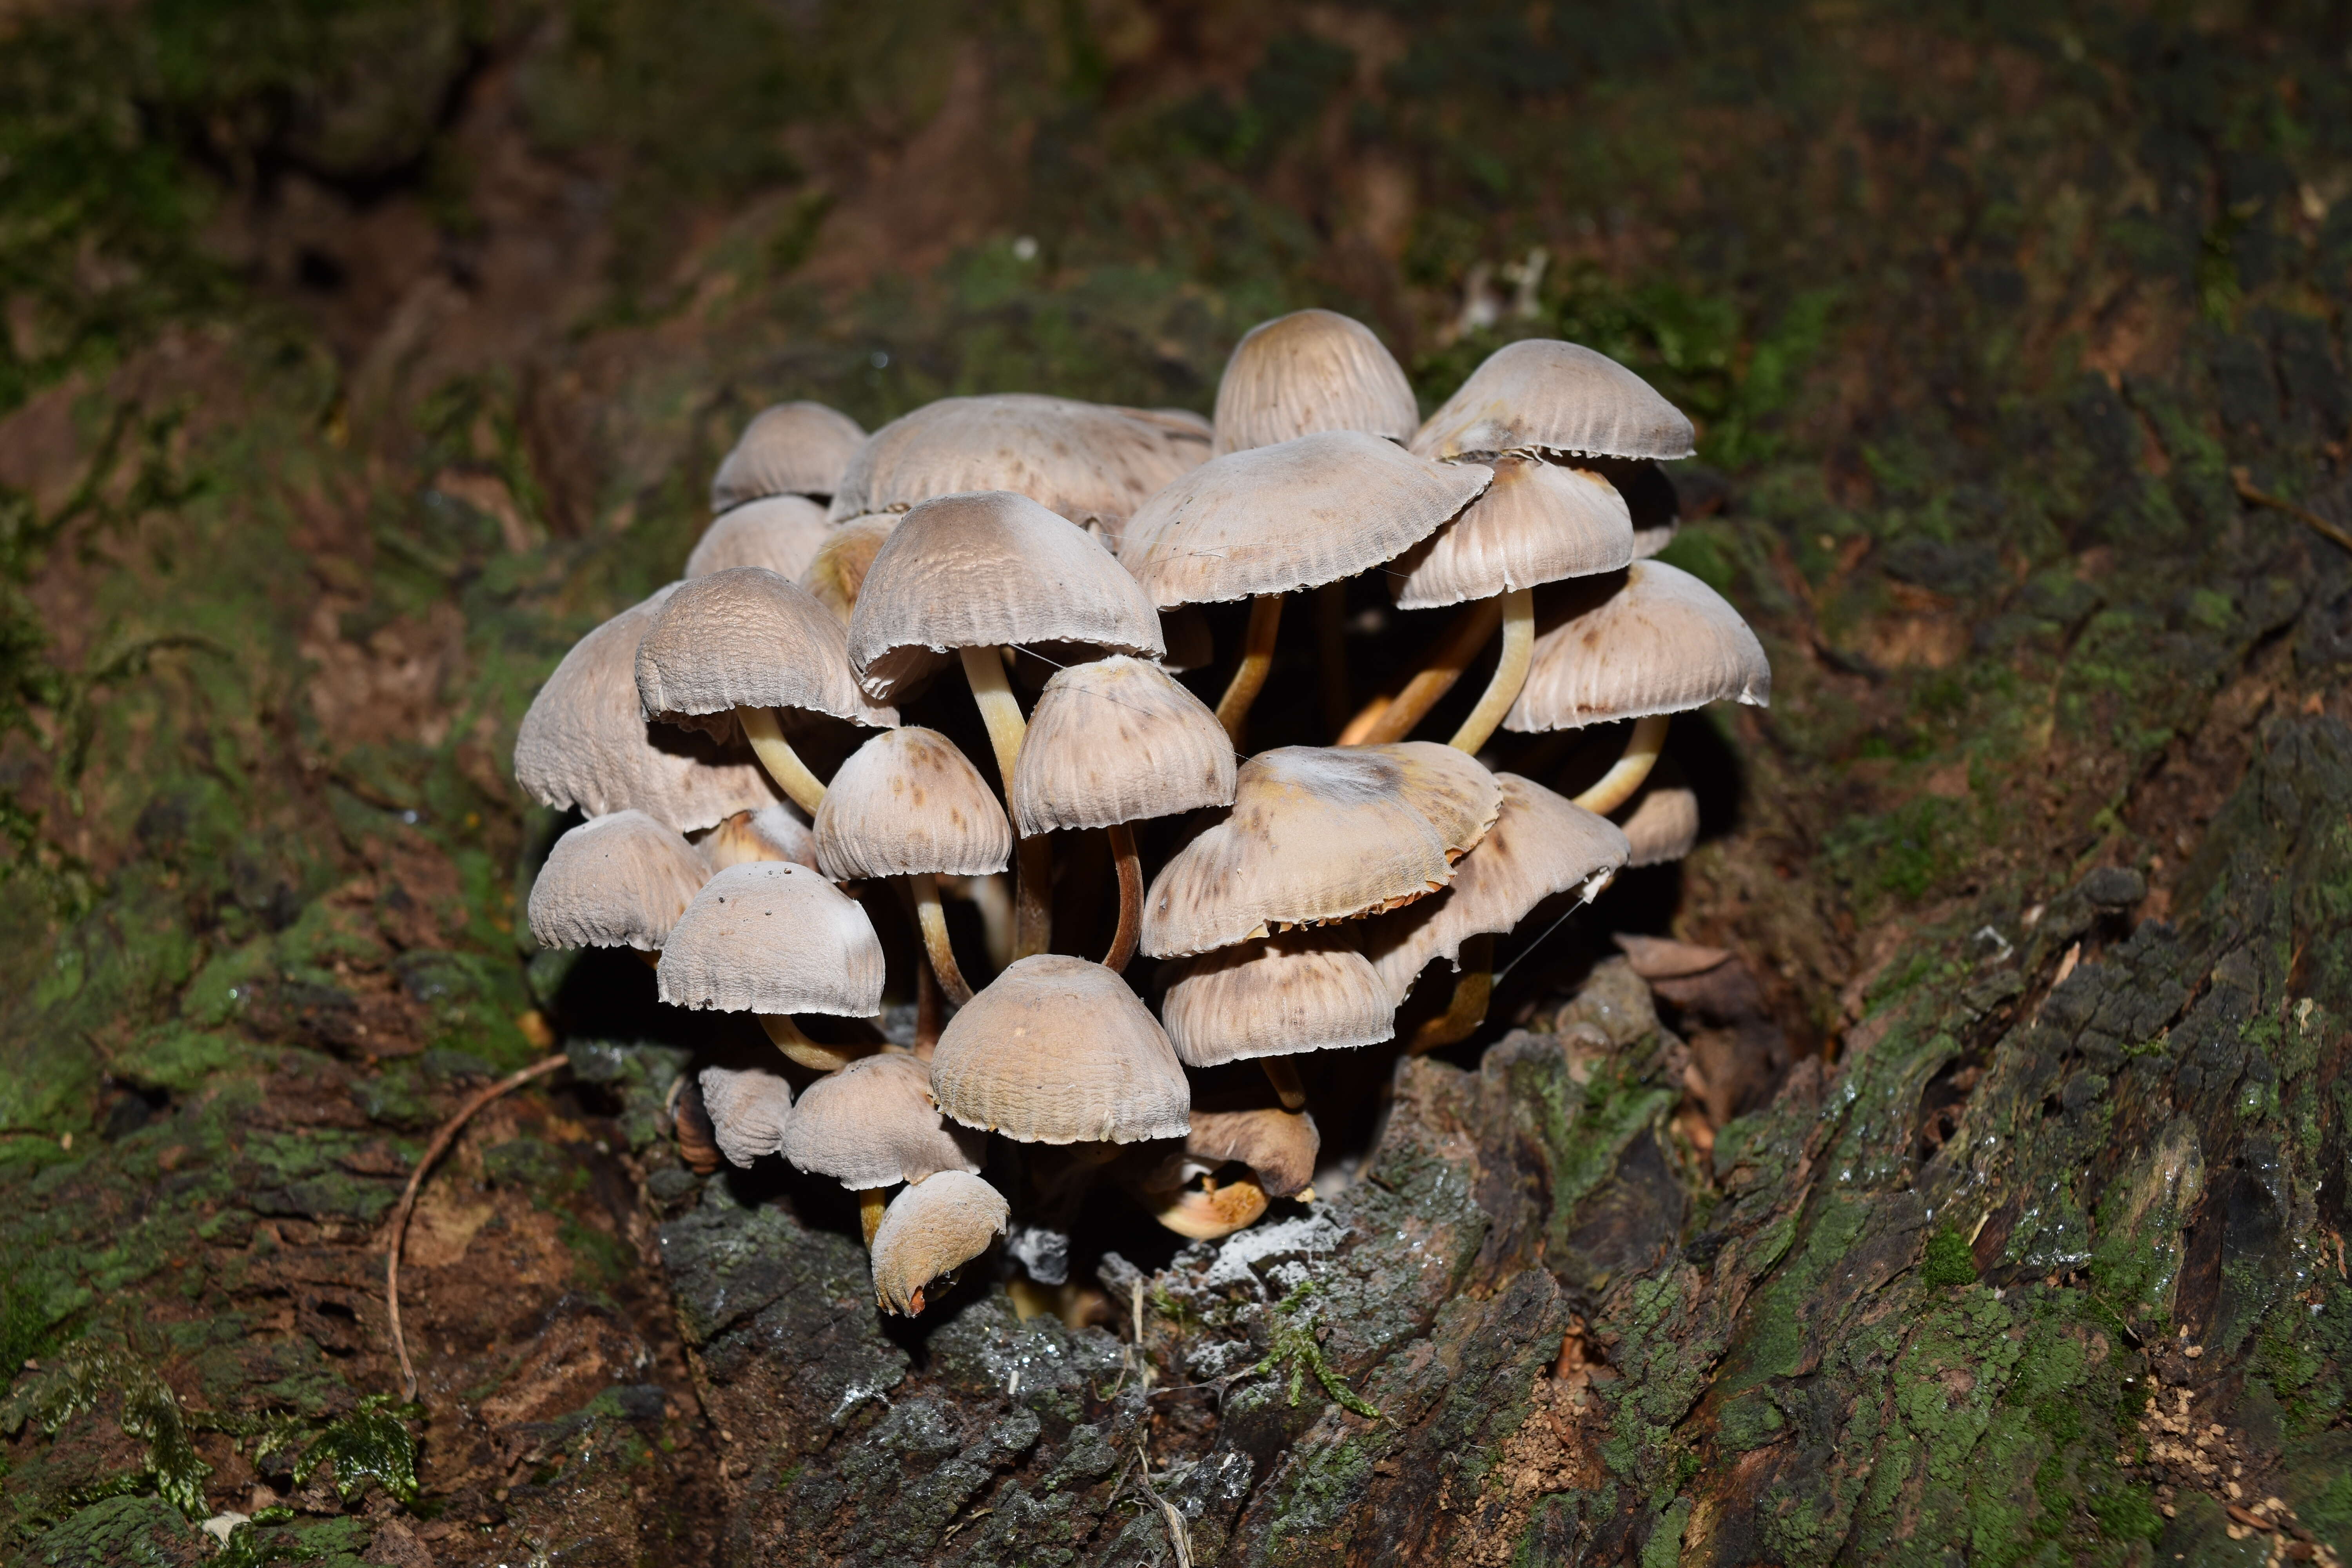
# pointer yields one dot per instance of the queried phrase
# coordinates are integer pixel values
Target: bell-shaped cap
(1119, 740)
(1278, 996)
(749, 1111)
(1274, 519)
(1537, 523)
(615, 881)
(873, 1124)
(1318, 834)
(1279, 1146)
(792, 449)
(1311, 371)
(779, 533)
(1058, 1050)
(1654, 640)
(1540, 394)
(930, 1230)
(1084, 461)
(1661, 821)
(771, 936)
(837, 571)
(1542, 843)
(585, 742)
(748, 637)
(908, 801)
(771, 833)
(986, 570)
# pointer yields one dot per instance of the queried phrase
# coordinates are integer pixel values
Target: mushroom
(871, 1126)
(1278, 1147)
(837, 571)
(690, 1129)
(1112, 742)
(780, 532)
(1058, 1050)
(1261, 523)
(750, 642)
(1661, 821)
(790, 448)
(1648, 644)
(620, 880)
(750, 1110)
(932, 1229)
(1275, 997)
(1310, 371)
(908, 804)
(771, 833)
(1540, 394)
(774, 938)
(975, 574)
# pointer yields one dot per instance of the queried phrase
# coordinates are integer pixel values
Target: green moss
(370, 1444)
(1947, 1260)
(1291, 1332)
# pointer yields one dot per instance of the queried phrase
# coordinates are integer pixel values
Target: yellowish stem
(934, 923)
(1130, 898)
(871, 1201)
(1033, 899)
(1280, 1073)
(651, 957)
(1474, 988)
(1510, 672)
(1394, 720)
(1618, 785)
(1249, 675)
(811, 1053)
(776, 754)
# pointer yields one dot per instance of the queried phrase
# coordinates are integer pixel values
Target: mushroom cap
(1544, 396)
(1654, 640)
(771, 936)
(750, 1110)
(1273, 519)
(908, 801)
(586, 742)
(771, 833)
(932, 1228)
(1537, 523)
(792, 448)
(1279, 1145)
(1318, 834)
(1089, 462)
(748, 637)
(1661, 821)
(615, 881)
(1119, 740)
(837, 571)
(984, 571)
(780, 532)
(1310, 371)
(873, 1124)
(1540, 845)
(1278, 996)
(1058, 1050)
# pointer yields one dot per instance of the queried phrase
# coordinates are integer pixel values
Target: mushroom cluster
(770, 825)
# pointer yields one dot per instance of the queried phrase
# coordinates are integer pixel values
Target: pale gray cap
(1537, 523)
(1118, 740)
(771, 936)
(930, 1229)
(1058, 1050)
(1310, 371)
(908, 801)
(873, 1124)
(750, 1109)
(1278, 996)
(1655, 640)
(748, 637)
(1540, 394)
(615, 881)
(771, 833)
(780, 532)
(792, 448)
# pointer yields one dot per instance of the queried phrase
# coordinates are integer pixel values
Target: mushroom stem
(1392, 718)
(871, 1201)
(811, 1053)
(1257, 658)
(1623, 777)
(1331, 651)
(1033, 921)
(1130, 897)
(1510, 672)
(1473, 989)
(926, 1010)
(934, 923)
(1280, 1073)
(652, 955)
(766, 735)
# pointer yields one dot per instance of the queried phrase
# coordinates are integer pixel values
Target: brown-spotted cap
(1652, 640)
(1279, 1146)
(1310, 371)
(837, 571)
(1058, 1050)
(1540, 394)
(1542, 843)
(748, 637)
(930, 1230)
(615, 881)
(1119, 740)
(585, 742)
(1318, 834)
(1661, 821)
(1278, 996)
(1276, 519)
(989, 570)
(873, 1124)
(908, 801)
(750, 1110)
(780, 532)
(771, 936)
(1537, 523)
(771, 833)
(792, 449)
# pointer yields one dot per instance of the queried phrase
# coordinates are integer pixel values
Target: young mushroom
(620, 880)
(789, 450)
(1661, 821)
(1275, 997)
(1184, 1189)
(932, 1229)
(750, 1110)
(836, 573)
(771, 833)
(781, 533)
(774, 938)
(871, 1126)
(1310, 371)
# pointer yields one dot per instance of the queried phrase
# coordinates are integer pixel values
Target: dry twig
(2247, 493)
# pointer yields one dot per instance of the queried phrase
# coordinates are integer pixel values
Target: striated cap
(1318, 834)
(1540, 845)
(908, 801)
(774, 937)
(1273, 519)
(771, 833)
(748, 637)
(985, 571)
(1310, 371)
(1085, 461)
(1537, 523)
(586, 743)
(749, 1111)
(1058, 1050)
(873, 1124)
(1654, 640)
(837, 571)
(1118, 741)
(779, 533)
(1278, 1145)
(1661, 821)
(930, 1230)
(1278, 996)
(792, 449)
(615, 881)
(1540, 394)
